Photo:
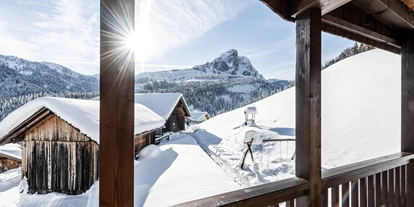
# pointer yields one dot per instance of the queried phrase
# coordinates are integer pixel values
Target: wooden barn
(198, 117)
(60, 142)
(170, 106)
(10, 157)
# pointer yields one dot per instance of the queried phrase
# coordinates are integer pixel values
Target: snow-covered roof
(198, 116)
(161, 103)
(82, 114)
(12, 151)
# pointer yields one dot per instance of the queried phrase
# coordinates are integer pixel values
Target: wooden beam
(351, 18)
(308, 102)
(116, 161)
(280, 7)
(407, 108)
(262, 195)
(359, 38)
(299, 6)
(400, 10)
(361, 31)
(409, 3)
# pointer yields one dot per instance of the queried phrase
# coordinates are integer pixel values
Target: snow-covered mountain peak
(229, 62)
(19, 76)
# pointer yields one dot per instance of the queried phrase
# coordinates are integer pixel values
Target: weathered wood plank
(354, 193)
(345, 194)
(400, 11)
(357, 37)
(116, 117)
(353, 19)
(325, 6)
(384, 189)
(335, 196)
(325, 197)
(391, 187)
(371, 191)
(354, 172)
(403, 186)
(262, 195)
(280, 7)
(363, 191)
(308, 102)
(397, 187)
(407, 109)
(378, 189)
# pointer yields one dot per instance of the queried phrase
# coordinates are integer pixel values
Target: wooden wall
(58, 158)
(8, 164)
(143, 140)
(176, 121)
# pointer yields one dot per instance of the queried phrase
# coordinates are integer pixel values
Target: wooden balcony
(376, 182)
(389, 181)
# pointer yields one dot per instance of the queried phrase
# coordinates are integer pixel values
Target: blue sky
(175, 34)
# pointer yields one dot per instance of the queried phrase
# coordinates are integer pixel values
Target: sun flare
(141, 44)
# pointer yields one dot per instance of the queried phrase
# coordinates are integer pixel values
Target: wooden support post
(116, 171)
(308, 103)
(407, 108)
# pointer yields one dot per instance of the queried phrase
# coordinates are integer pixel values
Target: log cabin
(198, 117)
(170, 106)
(10, 157)
(60, 142)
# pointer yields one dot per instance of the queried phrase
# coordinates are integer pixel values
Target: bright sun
(141, 43)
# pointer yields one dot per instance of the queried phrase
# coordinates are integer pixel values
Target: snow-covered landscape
(205, 159)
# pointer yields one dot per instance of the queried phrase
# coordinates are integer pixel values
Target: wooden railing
(376, 182)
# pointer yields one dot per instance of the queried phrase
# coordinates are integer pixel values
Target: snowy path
(271, 159)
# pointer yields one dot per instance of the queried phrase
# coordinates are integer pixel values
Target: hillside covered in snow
(19, 77)
(355, 116)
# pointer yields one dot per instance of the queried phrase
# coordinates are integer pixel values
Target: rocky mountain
(228, 82)
(20, 77)
(227, 64)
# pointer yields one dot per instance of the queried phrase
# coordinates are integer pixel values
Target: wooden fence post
(407, 108)
(117, 65)
(308, 103)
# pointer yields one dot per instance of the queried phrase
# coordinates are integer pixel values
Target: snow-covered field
(360, 121)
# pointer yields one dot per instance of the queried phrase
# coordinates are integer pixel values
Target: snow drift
(360, 120)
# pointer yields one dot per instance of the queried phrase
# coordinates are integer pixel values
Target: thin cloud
(67, 31)
(269, 49)
(175, 23)
(166, 66)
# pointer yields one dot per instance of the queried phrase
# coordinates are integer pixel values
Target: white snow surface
(360, 121)
(173, 173)
(82, 114)
(11, 150)
(177, 172)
